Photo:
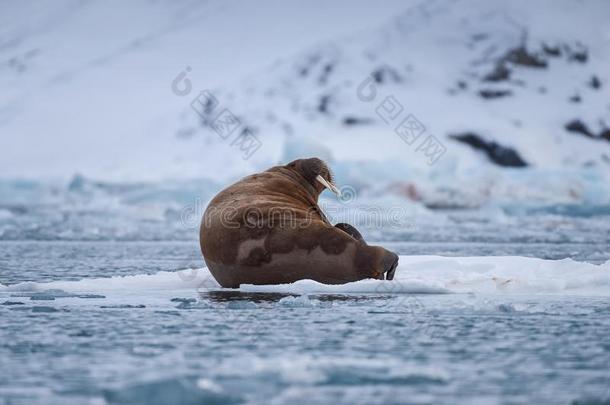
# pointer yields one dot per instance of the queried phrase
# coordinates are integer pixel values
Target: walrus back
(250, 209)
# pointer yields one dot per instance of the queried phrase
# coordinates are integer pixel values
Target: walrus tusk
(329, 185)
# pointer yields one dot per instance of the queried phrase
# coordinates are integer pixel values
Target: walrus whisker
(329, 185)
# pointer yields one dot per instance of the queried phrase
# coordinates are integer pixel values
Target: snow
(487, 275)
(89, 88)
(415, 275)
(400, 286)
(164, 280)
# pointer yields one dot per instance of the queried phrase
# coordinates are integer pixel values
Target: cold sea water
(146, 338)
(95, 309)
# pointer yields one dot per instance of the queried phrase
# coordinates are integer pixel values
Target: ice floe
(415, 275)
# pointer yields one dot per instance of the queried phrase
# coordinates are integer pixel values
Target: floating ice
(192, 303)
(415, 275)
(489, 274)
(178, 390)
(91, 296)
(163, 280)
(42, 297)
(183, 300)
(241, 305)
(302, 301)
(10, 303)
(43, 309)
(123, 306)
(508, 308)
(358, 287)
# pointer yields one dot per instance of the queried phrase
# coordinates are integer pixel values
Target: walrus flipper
(389, 262)
(350, 230)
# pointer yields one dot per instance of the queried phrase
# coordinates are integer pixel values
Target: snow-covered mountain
(86, 85)
(451, 102)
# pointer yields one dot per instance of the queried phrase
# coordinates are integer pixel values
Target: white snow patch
(415, 275)
(163, 280)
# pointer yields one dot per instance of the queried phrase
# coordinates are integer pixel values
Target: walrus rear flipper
(389, 262)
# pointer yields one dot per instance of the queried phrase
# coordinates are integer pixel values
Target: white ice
(415, 275)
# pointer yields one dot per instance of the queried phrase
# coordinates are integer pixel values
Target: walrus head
(317, 174)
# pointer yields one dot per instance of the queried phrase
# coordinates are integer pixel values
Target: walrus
(268, 229)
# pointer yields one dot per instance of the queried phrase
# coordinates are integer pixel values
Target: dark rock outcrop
(351, 121)
(521, 56)
(323, 104)
(579, 53)
(491, 94)
(500, 73)
(327, 69)
(551, 50)
(386, 74)
(595, 83)
(579, 127)
(500, 155)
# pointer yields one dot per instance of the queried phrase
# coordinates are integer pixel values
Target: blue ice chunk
(13, 303)
(43, 309)
(241, 305)
(42, 297)
(122, 306)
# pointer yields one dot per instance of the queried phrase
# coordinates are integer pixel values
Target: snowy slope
(511, 76)
(86, 85)
(436, 59)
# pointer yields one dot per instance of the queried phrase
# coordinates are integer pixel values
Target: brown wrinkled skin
(268, 229)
